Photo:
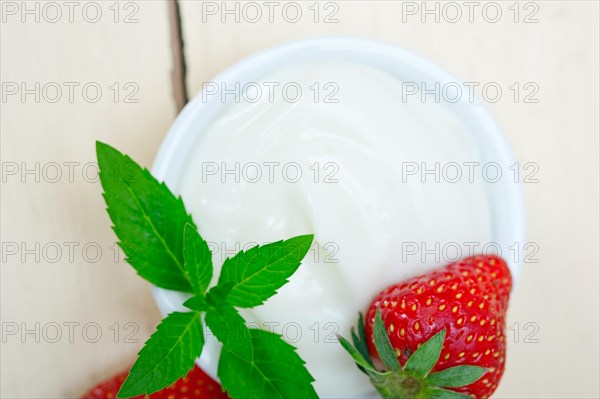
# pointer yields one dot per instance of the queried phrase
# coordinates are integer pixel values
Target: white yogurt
(362, 220)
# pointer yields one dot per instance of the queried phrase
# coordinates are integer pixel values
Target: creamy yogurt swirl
(361, 206)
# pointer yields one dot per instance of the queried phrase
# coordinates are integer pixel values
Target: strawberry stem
(400, 384)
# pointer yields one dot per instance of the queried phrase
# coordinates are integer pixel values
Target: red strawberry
(196, 385)
(456, 314)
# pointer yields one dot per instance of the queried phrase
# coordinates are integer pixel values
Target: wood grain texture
(559, 133)
(51, 213)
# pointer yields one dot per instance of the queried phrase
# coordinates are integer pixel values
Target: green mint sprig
(162, 244)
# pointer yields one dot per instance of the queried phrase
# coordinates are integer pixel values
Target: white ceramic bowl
(505, 196)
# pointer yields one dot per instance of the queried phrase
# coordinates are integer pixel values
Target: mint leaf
(197, 303)
(148, 219)
(258, 273)
(218, 293)
(197, 258)
(230, 329)
(422, 361)
(383, 344)
(168, 355)
(457, 376)
(276, 370)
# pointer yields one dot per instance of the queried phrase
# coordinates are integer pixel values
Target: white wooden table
(59, 273)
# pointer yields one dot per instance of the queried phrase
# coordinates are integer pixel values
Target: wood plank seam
(179, 71)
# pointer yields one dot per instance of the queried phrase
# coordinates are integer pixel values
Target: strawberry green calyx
(414, 380)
